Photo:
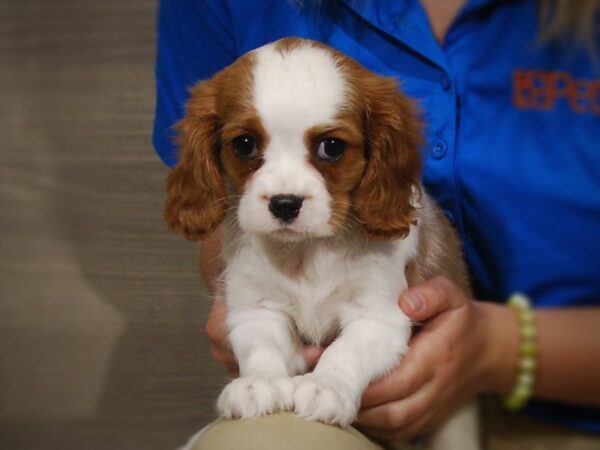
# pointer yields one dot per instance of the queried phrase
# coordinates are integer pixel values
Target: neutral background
(101, 309)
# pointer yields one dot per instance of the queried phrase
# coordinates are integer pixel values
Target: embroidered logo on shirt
(544, 89)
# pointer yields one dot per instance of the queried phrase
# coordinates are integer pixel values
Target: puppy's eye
(245, 147)
(331, 149)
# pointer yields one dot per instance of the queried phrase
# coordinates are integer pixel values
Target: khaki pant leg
(278, 432)
(504, 430)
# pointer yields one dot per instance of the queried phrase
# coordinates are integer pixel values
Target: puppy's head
(299, 140)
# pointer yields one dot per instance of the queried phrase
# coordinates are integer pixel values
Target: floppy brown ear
(196, 195)
(382, 201)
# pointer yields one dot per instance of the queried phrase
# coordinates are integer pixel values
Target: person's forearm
(209, 259)
(568, 353)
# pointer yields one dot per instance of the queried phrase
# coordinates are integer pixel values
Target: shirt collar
(406, 22)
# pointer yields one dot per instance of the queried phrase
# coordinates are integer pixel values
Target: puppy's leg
(268, 353)
(371, 342)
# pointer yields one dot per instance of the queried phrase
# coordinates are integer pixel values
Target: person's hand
(452, 358)
(220, 349)
(216, 330)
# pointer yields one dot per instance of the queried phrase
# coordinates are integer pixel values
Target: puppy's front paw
(318, 398)
(254, 396)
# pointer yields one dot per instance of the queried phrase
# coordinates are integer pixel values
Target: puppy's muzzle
(285, 207)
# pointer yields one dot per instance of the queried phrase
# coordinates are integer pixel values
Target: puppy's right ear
(196, 195)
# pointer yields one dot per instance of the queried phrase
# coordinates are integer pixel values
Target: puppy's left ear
(383, 201)
(196, 197)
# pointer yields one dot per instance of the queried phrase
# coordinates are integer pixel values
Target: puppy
(311, 163)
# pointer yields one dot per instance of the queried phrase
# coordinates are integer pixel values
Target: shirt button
(445, 82)
(439, 148)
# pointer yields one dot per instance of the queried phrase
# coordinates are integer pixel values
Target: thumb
(431, 298)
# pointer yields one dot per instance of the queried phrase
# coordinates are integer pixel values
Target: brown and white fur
(329, 269)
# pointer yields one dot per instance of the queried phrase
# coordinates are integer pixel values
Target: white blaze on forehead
(293, 91)
(297, 88)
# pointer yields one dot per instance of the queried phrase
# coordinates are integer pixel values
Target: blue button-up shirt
(512, 125)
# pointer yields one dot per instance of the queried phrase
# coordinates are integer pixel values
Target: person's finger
(217, 333)
(379, 434)
(431, 298)
(227, 359)
(408, 433)
(215, 328)
(312, 355)
(399, 414)
(414, 371)
(222, 354)
(233, 369)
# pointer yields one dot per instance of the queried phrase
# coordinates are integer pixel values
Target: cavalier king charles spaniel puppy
(311, 164)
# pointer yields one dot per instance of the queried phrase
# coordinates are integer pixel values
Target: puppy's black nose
(285, 207)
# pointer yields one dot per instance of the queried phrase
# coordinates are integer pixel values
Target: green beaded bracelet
(523, 387)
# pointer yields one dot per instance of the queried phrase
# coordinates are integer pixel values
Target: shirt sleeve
(195, 40)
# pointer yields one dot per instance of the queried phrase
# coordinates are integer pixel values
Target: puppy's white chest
(314, 296)
(312, 286)
(316, 316)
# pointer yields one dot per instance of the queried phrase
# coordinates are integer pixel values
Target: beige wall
(101, 309)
